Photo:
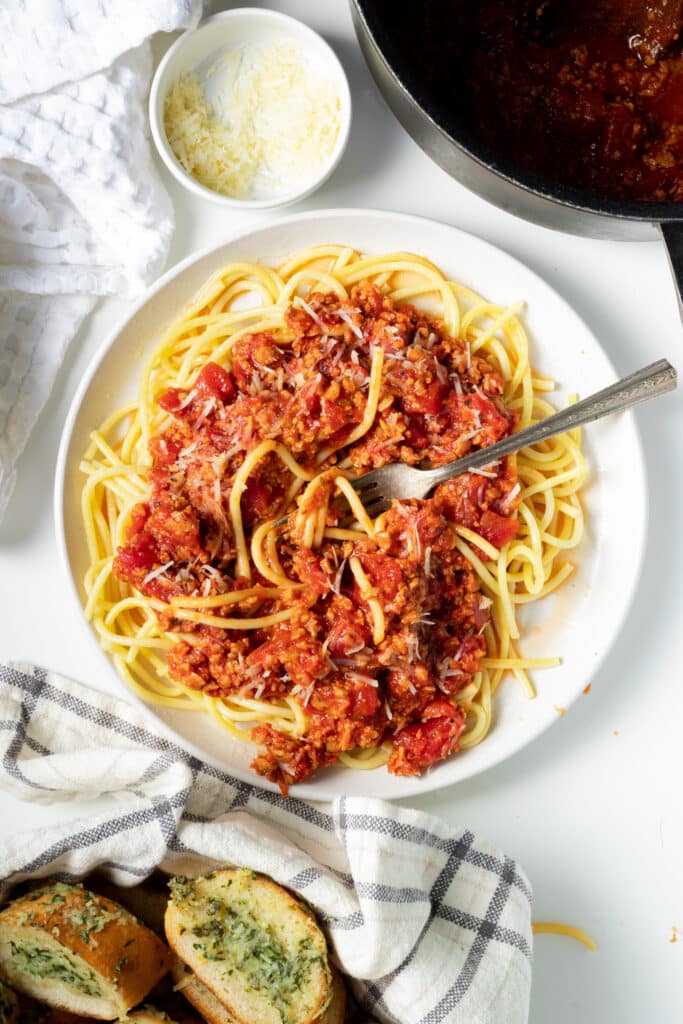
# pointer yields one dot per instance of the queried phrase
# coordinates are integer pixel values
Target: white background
(593, 808)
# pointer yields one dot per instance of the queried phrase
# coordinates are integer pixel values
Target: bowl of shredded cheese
(251, 109)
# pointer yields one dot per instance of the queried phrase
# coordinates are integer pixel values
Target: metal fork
(377, 488)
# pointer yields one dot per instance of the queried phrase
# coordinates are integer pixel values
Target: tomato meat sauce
(587, 94)
(306, 386)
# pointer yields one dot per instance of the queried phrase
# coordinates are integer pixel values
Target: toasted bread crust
(124, 955)
(274, 923)
(213, 1011)
(199, 996)
(334, 1014)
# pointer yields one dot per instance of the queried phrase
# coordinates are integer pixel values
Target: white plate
(578, 624)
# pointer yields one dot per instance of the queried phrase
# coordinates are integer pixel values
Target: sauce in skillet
(586, 93)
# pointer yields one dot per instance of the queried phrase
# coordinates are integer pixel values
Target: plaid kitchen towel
(431, 923)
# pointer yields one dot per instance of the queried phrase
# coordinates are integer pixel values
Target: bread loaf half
(213, 1011)
(256, 948)
(79, 952)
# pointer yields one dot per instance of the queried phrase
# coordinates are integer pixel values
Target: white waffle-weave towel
(82, 210)
(432, 922)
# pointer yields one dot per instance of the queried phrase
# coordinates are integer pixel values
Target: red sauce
(587, 93)
(307, 387)
(580, 100)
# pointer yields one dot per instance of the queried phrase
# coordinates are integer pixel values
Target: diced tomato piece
(215, 382)
(303, 658)
(365, 700)
(497, 530)
(139, 517)
(270, 652)
(141, 553)
(384, 572)
(434, 738)
(490, 414)
(172, 399)
(416, 435)
(333, 416)
(441, 708)
(164, 450)
(346, 634)
(256, 499)
(429, 403)
(211, 382)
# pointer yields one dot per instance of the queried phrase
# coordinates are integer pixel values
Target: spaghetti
(567, 930)
(222, 575)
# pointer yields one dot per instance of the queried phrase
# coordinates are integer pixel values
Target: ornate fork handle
(653, 380)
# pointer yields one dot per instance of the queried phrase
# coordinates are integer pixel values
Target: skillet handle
(672, 233)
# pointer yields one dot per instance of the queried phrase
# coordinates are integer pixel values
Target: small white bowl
(200, 49)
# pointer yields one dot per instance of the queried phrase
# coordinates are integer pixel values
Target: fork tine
(367, 488)
(376, 508)
(369, 493)
(365, 482)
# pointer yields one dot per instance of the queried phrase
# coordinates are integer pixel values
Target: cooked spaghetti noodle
(567, 930)
(223, 576)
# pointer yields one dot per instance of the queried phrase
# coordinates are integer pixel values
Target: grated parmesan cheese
(298, 301)
(271, 126)
(347, 320)
(155, 573)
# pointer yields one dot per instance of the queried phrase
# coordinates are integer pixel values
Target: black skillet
(441, 129)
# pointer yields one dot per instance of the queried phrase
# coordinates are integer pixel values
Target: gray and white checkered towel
(433, 922)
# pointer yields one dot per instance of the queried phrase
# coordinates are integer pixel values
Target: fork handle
(653, 380)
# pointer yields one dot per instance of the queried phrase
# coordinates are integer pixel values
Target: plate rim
(320, 789)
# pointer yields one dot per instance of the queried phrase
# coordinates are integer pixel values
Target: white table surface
(593, 808)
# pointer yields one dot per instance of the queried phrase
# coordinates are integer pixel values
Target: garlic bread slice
(76, 951)
(255, 947)
(213, 1011)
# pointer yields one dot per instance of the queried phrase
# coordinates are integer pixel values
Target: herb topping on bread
(256, 947)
